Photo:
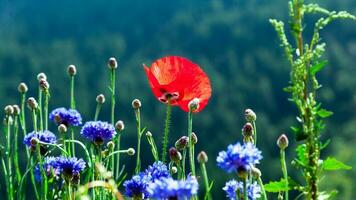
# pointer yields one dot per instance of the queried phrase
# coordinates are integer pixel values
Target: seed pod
(282, 141)
(136, 104)
(112, 63)
(22, 88)
(44, 85)
(250, 116)
(148, 134)
(174, 170)
(202, 157)
(71, 70)
(255, 172)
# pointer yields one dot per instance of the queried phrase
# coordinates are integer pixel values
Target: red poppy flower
(177, 80)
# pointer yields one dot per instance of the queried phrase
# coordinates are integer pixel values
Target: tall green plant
(306, 60)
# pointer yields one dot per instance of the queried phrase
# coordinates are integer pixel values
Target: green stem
(16, 151)
(112, 77)
(40, 108)
(138, 124)
(9, 157)
(191, 144)
(72, 98)
(6, 177)
(23, 118)
(153, 147)
(254, 133)
(245, 188)
(166, 132)
(33, 180)
(183, 162)
(206, 181)
(45, 109)
(44, 184)
(118, 141)
(72, 138)
(97, 111)
(263, 191)
(284, 171)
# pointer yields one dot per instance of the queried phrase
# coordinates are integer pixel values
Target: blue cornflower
(157, 170)
(168, 188)
(137, 186)
(239, 157)
(98, 131)
(68, 117)
(231, 187)
(70, 168)
(50, 167)
(42, 136)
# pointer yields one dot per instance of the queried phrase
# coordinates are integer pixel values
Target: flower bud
(71, 70)
(282, 141)
(193, 105)
(41, 76)
(17, 110)
(32, 103)
(148, 134)
(255, 172)
(136, 104)
(22, 88)
(250, 116)
(100, 99)
(9, 110)
(247, 130)
(202, 157)
(112, 63)
(174, 154)
(120, 126)
(62, 128)
(194, 138)
(182, 143)
(174, 170)
(110, 145)
(131, 151)
(44, 85)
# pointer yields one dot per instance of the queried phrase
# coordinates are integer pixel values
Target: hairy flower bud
(100, 99)
(255, 172)
(71, 70)
(148, 134)
(120, 126)
(9, 110)
(34, 141)
(131, 151)
(250, 116)
(44, 85)
(32, 103)
(247, 130)
(175, 155)
(17, 110)
(22, 88)
(41, 76)
(182, 143)
(112, 63)
(174, 170)
(62, 128)
(136, 104)
(193, 105)
(110, 145)
(202, 157)
(282, 141)
(194, 138)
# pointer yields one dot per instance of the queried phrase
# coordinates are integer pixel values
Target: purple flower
(98, 131)
(70, 167)
(42, 136)
(157, 170)
(231, 187)
(68, 117)
(137, 186)
(239, 157)
(168, 188)
(50, 167)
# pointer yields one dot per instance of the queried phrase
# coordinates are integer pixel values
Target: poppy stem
(166, 132)
(191, 144)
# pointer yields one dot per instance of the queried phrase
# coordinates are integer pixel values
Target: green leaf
(327, 195)
(332, 164)
(276, 186)
(324, 113)
(301, 154)
(317, 67)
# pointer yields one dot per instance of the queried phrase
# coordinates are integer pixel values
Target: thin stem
(16, 151)
(6, 177)
(153, 147)
(23, 118)
(254, 132)
(40, 107)
(245, 188)
(284, 171)
(118, 141)
(191, 144)
(166, 132)
(263, 191)
(72, 98)
(206, 181)
(184, 157)
(138, 124)
(97, 111)
(44, 183)
(112, 77)
(45, 109)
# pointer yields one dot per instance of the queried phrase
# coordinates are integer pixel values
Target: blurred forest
(231, 40)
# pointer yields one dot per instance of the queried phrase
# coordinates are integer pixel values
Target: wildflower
(168, 188)
(157, 170)
(50, 167)
(177, 81)
(137, 186)
(70, 168)
(98, 131)
(68, 117)
(232, 187)
(41, 136)
(239, 157)
(282, 141)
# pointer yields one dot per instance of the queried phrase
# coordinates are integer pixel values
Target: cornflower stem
(9, 157)
(245, 188)
(117, 169)
(22, 115)
(6, 177)
(153, 147)
(93, 170)
(139, 134)
(191, 144)
(40, 94)
(72, 106)
(263, 191)
(34, 119)
(33, 180)
(72, 138)
(44, 184)
(16, 153)
(166, 132)
(206, 181)
(112, 80)
(97, 111)
(45, 109)
(183, 162)
(254, 132)
(284, 171)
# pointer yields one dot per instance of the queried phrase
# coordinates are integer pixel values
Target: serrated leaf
(323, 113)
(333, 164)
(317, 67)
(276, 186)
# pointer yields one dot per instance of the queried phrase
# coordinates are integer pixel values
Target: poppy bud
(71, 70)
(44, 85)
(32, 103)
(41, 76)
(174, 154)
(112, 63)
(9, 110)
(193, 105)
(194, 138)
(110, 145)
(247, 130)
(100, 99)
(250, 116)
(148, 134)
(182, 143)
(136, 104)
(255, 172)
(282, 141)
(22, 88)
(174, 170)
(120, 126)
(131, 151)
(202, 157)
(17, 110)
(62, 128)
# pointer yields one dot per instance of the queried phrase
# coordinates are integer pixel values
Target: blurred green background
(231, 40)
